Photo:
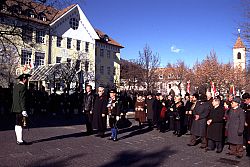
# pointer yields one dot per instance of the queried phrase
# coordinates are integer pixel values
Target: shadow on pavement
(140, 159)
(52, 162)
(7, 122)
(73, 135)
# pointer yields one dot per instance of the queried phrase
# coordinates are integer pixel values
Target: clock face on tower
(74, 23)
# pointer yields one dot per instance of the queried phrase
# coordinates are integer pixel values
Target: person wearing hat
(215, 127)
(19, 106)
(246, 107)
(114, 110)
(235, 127)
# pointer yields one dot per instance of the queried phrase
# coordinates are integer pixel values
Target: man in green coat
(19, 106)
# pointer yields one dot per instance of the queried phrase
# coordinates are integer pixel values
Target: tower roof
(239, 43)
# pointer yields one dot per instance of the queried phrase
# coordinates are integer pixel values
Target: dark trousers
(88, 121)
(211, 144)
(248, 150)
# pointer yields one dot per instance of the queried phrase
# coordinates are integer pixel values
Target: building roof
(47, 72)
(239, 43)
(50, 12)
(104, 36)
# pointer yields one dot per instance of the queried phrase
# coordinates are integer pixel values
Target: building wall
(242, 61)
(109, 58)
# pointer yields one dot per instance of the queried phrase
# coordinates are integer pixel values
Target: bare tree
(131, 73)
(149, 62)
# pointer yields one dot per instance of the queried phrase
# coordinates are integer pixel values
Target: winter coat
(235, 125)
(19, 98)
(150, 110)
(198, 127)
(215, 129)
(100, 107)
(88, 102)
(140, 113)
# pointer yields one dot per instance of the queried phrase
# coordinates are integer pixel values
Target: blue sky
(175, 29)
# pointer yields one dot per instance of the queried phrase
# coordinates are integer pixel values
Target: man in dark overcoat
(235, 127)
(246, 97)
(198, 128)
(87, 108)
(100, 112)
(215, 127)
(19, 106)
(150, 111)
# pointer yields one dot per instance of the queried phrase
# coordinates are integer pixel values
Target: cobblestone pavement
(61, 146)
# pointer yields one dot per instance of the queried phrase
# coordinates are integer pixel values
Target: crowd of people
(211, 121)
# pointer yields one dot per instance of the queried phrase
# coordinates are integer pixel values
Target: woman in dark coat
(179, 113)
(100, 112)
(215, 127)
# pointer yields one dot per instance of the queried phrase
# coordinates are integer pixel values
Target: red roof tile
(239, 43)
(110, 41)
(50, 12)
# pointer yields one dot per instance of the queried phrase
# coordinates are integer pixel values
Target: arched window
(239, 55)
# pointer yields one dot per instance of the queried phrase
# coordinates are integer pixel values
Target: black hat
(237, 100)
(187, 94)
(112, 91)
(24, 76)
(217, 97)
(196, 95)
(158, 94)
(246, 96)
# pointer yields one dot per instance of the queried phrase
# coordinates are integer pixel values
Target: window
(102, 69)
(74, 23)
(69, 60)
(87, 47)
(30, 13)
(39, 59)
(108, 54)
(59, 41)
(26, 57)
(40, 36)
(108, 70)
(114, 55)
(42, 16)
(78, 45)
(101, 52)
(69, 43)
(58, 59)
(239, 55)
(114, 71)
(27, 34)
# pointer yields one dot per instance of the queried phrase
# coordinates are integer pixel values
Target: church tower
(239, 53)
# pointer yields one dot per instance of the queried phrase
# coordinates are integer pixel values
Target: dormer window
(16, 9)
(161, 77)
(106, 38)
(42, 16)
(74, 23)
(30, 13)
